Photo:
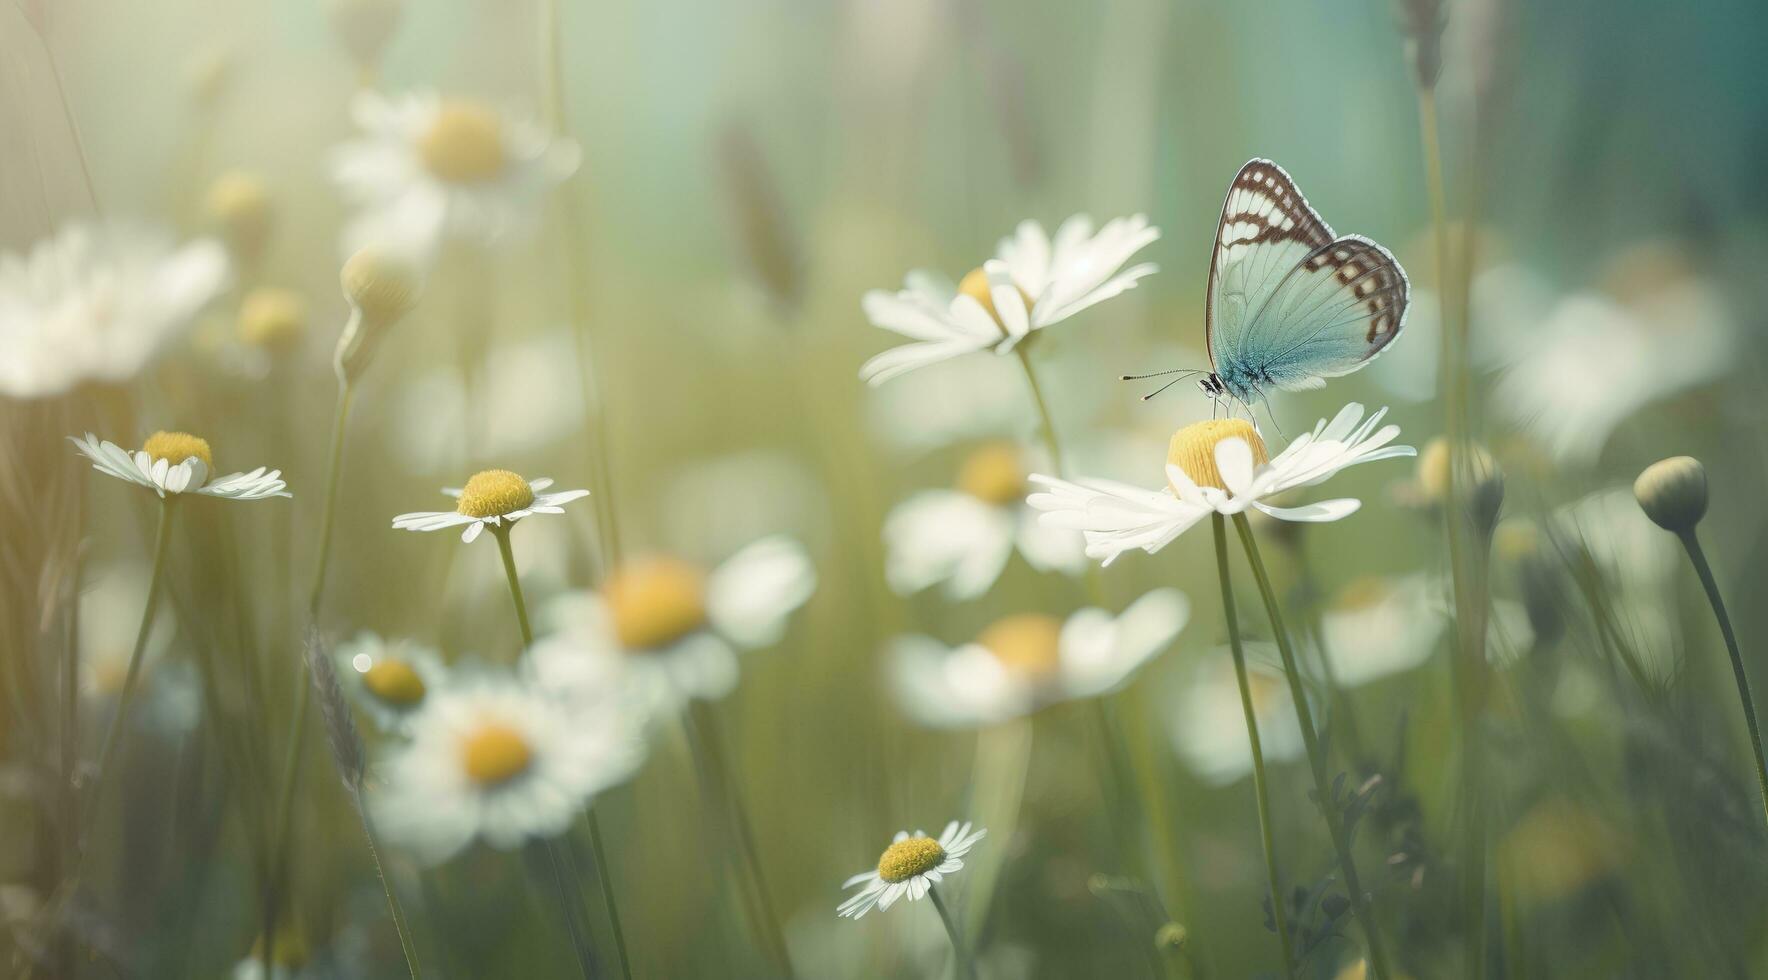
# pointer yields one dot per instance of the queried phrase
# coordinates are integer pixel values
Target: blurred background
(748, 171)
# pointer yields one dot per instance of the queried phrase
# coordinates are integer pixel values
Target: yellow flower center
(1362, 593)
(495, 753)
(909, 857)
(975, 285)
(1027, 643)
(1193, 448)
(993, 474)
(494, 493)
(273, 319)
(395, 682)
(238, 205)
(176, 447)
(655, 601)
(464, 144)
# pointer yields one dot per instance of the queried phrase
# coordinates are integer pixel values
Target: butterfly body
(1291, 303)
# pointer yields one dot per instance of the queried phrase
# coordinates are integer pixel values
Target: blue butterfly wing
(1290, 303)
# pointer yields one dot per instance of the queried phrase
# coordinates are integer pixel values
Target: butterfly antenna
(1163, 387)
(1160, 374)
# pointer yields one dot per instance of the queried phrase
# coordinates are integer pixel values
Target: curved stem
(966, 967)
(1316, 755)
(502, 533)
(604, 874)
(1043, 411)
(400, 925)
(1260, 790)
(126, 697)
(1699, 559)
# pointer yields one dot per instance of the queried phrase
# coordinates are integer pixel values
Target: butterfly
(1291, 304)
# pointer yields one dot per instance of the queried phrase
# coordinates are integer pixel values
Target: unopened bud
(238, 205)
(382, 288)
(1673, 493)
(1171, 938)
(364, 27)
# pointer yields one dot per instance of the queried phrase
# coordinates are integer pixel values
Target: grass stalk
(1698, 557)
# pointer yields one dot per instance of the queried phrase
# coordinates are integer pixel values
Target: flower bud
(382, 288)
(238, 206)
(1171, 938)
(1673, 493)
(272, 319)
(364, 27)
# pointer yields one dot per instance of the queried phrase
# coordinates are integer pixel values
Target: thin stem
(1043, 411)
(70, 723)
(1699, 559)
(572, 900)
(400, 925)
(703, 731)
(1316, 755)
(328, 516)
(127, 696)
(502, 533)
(966, 967)
(1260, 789)
(604, 875)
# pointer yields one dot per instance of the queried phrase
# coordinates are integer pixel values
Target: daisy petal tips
(172, 463)
(490, 497)
(910, 867)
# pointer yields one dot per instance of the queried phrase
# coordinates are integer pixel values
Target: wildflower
(1208, 724)
(238, 206)
(1032, 283)
(429, 168)
(96, 303)
(272, 319)
(675, 627)
(964, 536)
(494, 497)
(1673, 493)
(175, 463)
(364, 27)
(1219, 466)
(382, 286)
(1378, 627)
(389, 679)
(1028, 660)
(911, 866)
(493, 759)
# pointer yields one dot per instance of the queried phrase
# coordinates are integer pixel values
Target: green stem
(1260, 788)
(502, 533)
(1316, 756)
(966, 966)
(126, 697)
(1043, 411)
(1698, 557)
(400, 925)
(572, 900)
(604, 874)
(281, 831)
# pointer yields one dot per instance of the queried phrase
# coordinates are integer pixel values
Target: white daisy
(1025, 661)
(430, 168)
(178, 462)
(494, 497)
(1031, 283)
(962, 538)
(388, 679)
(911, 866)
(493, 759)
(1377, 627)
(96, 303)
(675, 627)
(1218, 467)
(1208, 722)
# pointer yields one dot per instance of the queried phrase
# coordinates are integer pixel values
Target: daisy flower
(911, 866)
(388, 679)
(1219, 466)
(1208, 723)
(1376, 627)
(494, 497)
(429, 168)
(674, 626)
(1031, 283)
(175, 463)
(493, 759)
(96, 303)
(1028, 660)
(962, 538)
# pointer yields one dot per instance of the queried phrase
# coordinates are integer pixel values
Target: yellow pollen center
(395, 682)
(272, 318)
(1028, 643)
(176, 447)
(655, 601)
(494, 493)
(1362, 593)
(495, 753)
(909, 857)
(993, 474)
(975, 285)
(1193, 448)
(464, 144)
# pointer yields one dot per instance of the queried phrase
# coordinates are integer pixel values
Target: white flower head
(389, 680)
(1208, 721)
(96, 303)
(1378, 627)
(429, 168)
(493, 759)
(910, 866)
(673, 627)
(1218, 467)
(962, 538)
(494, 497)
(175, 463)
(1025, 661)
(1031, 283)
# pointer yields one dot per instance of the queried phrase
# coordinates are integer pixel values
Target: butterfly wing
(1290, 303)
